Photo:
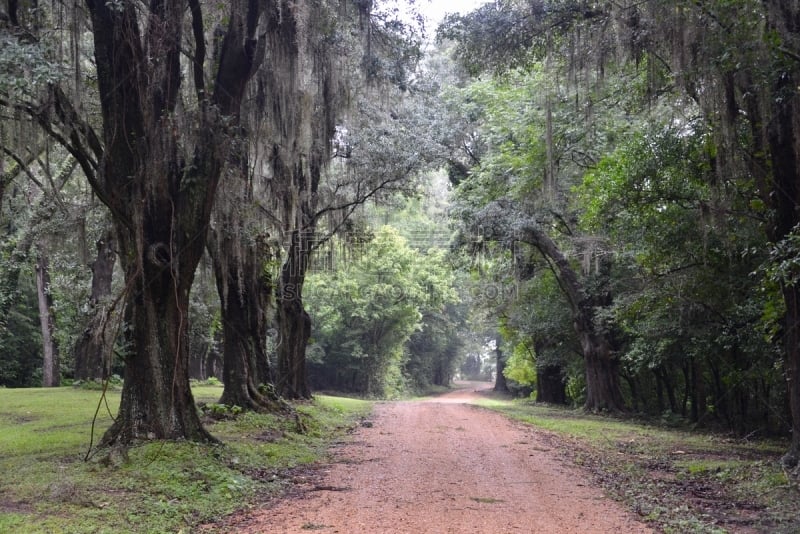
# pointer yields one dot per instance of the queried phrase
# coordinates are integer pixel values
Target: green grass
(680, 480)
(153, 487)
(39, 421)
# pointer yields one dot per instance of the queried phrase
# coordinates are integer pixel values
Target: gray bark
(51, 369)
(93, 349)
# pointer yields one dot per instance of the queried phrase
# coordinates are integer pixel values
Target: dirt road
(444, 466)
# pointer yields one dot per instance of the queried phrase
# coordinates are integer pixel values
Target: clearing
(443, 465)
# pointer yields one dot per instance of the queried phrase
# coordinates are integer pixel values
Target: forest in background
(602, 196)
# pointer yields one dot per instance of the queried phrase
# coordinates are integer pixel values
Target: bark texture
(159, 175)
(51, 369)
(93, 348)
(294, 323)
(244, 287)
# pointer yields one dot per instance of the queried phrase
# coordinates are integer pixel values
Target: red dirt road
(444, 466)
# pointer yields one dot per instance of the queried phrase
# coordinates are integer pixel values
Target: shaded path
(443, 466)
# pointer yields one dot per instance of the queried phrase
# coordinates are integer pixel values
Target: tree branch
(23, 167)
(198, 61)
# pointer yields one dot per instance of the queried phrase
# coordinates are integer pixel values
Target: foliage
(45, 214)
(434, 351)
(205, 328)
(689, 248)
(537, 326)
(20, 341)
(521, 365)
(27, 67)
(471, 367)
(643, 166)
(366, 312)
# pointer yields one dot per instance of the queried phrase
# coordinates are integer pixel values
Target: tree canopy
(649, 158)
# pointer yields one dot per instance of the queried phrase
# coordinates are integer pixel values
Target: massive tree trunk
(603, 392)
(244, 288)
(783, 191)
(51, 369)
(159, 178)
(156, 401)
(294, 323)
(93, 348)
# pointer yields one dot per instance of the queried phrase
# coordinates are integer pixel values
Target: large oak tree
(158, 173)
(154, 157)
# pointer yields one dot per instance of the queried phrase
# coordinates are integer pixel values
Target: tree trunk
(51, 369)
(687, 380)
(784, 137)
(243, 347)
(294, 323)
(664, 377)
(603, 391)
(244, 290)
(659, 391)
(550, 385)
(781, 189)
(439, 375)
(500, 382)
(634, 389)
(698, 391)
(159, 177)
(94, 348)
(157, 401)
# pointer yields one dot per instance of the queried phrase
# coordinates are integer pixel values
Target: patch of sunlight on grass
(50, 421)
(487, 402)
(344, 404)
(207, 394)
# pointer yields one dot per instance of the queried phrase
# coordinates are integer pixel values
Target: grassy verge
(155, 487)
(679, 481)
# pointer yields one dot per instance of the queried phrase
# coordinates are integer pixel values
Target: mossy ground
(153, 487)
